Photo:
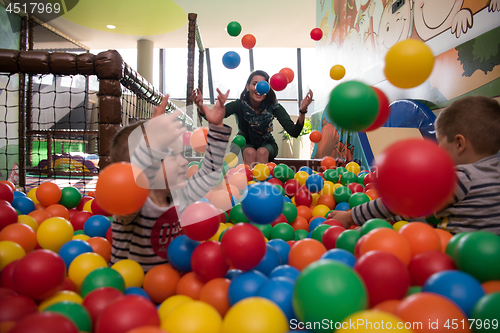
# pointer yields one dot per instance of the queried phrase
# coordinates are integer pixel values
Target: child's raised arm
(215, 115)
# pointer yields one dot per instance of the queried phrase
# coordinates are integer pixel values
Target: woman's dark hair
(270, 96)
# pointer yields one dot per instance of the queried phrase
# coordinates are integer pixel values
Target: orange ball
(421, 237)
(39, 215)
(221, 199)
(372, 193)
(288, 73)
(214, 292)
(388, 240)
(248, 41)
(305, 252)
(242, 166)
(198, 139)
(147, 329)
(189, 285)
(101, 246)
(122, 188)
(160, 282)
(57, 210)
(48, 193)
(239, 180)
(305, 212)
(445, 237)
(192, 170)
(20, 234)
(328, 162)
(315, 136)
(327, 200)
(300, 223)
(388, 306)
(492, 286)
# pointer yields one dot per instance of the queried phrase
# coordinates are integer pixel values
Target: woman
(254, 115)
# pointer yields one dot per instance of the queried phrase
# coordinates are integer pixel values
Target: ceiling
(274, 23)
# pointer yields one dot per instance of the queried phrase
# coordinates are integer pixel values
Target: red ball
(208, 262)
(248, 41)
(383, 110)
(39, 274)
(79, 219)
(316, 34)
(330, 236)
(279, 219)
(425, 169)
(6, 192)
(16, 307)
(355, 187)
(291, 187)
(99, 299)
(315, 136)
(303, 198)
(126, 313)
(83, 202)
(45, 322)
(243, 246)
(247, 173)
(369, 178)
(7, 276)
(333, 222)
(200, 220)
(278, 81)
(276, 181)
(424, 264)
(97, 210)
(385, 276)
(8, 214)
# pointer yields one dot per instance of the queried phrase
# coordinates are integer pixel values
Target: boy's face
(172, 174)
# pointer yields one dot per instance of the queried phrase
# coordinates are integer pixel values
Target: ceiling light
(110, 26)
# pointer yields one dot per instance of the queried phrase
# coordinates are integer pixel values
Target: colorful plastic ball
(315, 136)
(340, 255)
(14, 307)
(423, 265)
(408, 63)
(270, 261)
(160, 282)
(348, 177)
(279, 290)
(383, 110)
(262, 195)
(200, 220)
(353, 106)
(331, 175)
(342, 194)
(374, 320)
(262, 87)
(126, 313)
(74, 311)
(261, 172)
(8, 214)
(303, 198)
(248, 41)
(373, 224)
(96, 226)
(57, 210)
(83, 265)
(421, 165)
(477, 254)
(289, 211)
(328, 290)
(347, 240)
(489, 287)
(23, 204)
(421, 237)
(337, 72)
(239, 180)
(137, 291)
(289, 73)
(208, 262)
(72, 249)
(48, 193)
(278, 81)
(102, 277)
(282, 247)
(10, 251)
(329, 235)
(189, 285)
(215, 293)
(305, 252)
(201, 318)
(453, 242)
(316, 34)
(240, 140)
(282, 231)
(20, 234)
(70, 197)
(45, 322)
(285, 271)
(357, 199)
(245, 285)
(314, 183)
(388, 240)
(444, 236)
(27, 220)
(101, 246)
(131, 272)
(180, 251)
(233, 28)
(231, 60)
(343, 206)
(97, 300)
(6, 192)
(53, 233)
(168, 305)
(236, 214)
(121, 189)
(486, 314)
(243, 246)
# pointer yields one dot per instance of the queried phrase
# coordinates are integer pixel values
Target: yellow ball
(82, 237)
(63, 295)
(336, 186)
(408, 63)
(193, 317)
(315, 197)
(229, 225)
(261, 171)
(222, 227)
(32, 195)
(368, 321)
(353, 167)
(320, 210)
(328, 188)
(398, 225)
(29, 221)
(251, 182)
(337, 72)
(131, 272)
(82, 265)
(301, 177)
(231, 159)
(87, 206)
(9, 252)
(54, 232)
(170, 304)
(255, 315)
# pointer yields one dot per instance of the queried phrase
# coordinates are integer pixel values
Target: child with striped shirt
(469, 130)
(155, 146)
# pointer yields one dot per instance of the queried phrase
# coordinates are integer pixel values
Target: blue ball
(270, 261)
(23, 204)
(280, 291)
(72, 249)
(341, 255)
(231, 60)
(306, 169)
(316, 222)
(180, 251)
(287, 199)
(314, 183)
(96, 226)
(19, 194)
(232, 273)
(137, 291)
(262, 203)
(286, 271)
(458, 286)
(342, 206)
(262, 87)
(282, 247)
(245, 285)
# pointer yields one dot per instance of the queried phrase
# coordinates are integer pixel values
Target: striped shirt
(144, 236)
(475, 204)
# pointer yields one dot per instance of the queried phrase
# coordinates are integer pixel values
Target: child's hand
(344, 217)
(216, 115)
(198, 99)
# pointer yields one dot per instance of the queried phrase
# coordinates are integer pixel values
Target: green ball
(301, 234)
(486, 312)
(374, 224)
(290, 211)
(452, 243)
(361, 179)
(75, 312)
(190, 164)
(240, 141)
(353, 106)
(233, 28)
(348, 177)
(283, 172)
(328, 290)
(478, 253)
(102, 277)
(341, 170)
(282, 231)
(414, 290)
(331, 175)
(357, 199)
(79, 232)
(70, 197)
(347, 240)
(318, 232)
(264, 228)
(280, 188)
(342, 194)
(236, 214)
